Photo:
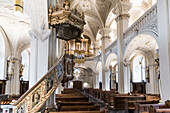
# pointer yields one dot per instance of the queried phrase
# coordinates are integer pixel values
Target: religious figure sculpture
(10, 70)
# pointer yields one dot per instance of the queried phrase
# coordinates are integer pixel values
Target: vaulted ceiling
(96, 13)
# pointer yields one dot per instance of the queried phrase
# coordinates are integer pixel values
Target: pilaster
(163, 7)
(96, 47)
(105, 32)
(13, 83)
(121, 10)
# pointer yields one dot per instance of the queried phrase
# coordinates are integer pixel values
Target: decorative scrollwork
(36, 97)
(50, 82)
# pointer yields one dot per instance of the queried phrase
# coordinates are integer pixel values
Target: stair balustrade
(32, 100)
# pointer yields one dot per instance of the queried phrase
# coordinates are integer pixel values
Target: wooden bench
(79, 108)
(152, 97)
(70, 95)
(71, 99)
(119, 100)
(143, 106)
(152, 109)
(75, 103)
(159, 108)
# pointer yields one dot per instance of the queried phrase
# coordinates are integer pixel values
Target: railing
(146, 17)
(36, 96)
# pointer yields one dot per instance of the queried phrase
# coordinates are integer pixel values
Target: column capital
(126, 63)
(106, 70)
(96, 45)
(122, 8)
(105, 32)
(12, 58)
(42, 34)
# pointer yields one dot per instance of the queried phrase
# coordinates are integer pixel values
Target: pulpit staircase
(35, 97)
(73, 101)
(70, 101)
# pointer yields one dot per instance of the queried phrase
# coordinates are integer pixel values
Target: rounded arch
(141, 42)
(138, 66)
(22, 48)
(25, 61)
(111, 60)
(143, 46)
(86, 32)
(98, 66)
(5, 51)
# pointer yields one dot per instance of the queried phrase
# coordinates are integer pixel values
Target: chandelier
(68, 23)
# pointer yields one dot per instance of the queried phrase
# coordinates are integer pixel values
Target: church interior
(84, 56)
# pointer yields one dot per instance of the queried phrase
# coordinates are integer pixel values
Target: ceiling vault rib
(98, 13)
(90, 29)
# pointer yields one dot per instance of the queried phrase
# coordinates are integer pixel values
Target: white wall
(25, 61)
(6, 52)
(2, 57)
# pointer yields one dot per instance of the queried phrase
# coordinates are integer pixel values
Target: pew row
(133, 106)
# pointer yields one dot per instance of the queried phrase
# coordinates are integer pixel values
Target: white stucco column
(38, 54)
(97, 80)
(33, 60)
(96, 47)
(13, 84)
(94, 80)
(121, 11)
(107, 79)
(152, 86)
(105, 42)
(164, 47)
(126, 69)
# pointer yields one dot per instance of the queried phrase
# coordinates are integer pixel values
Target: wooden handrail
(44, 77)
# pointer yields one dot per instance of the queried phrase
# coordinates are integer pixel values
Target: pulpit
(77, 85)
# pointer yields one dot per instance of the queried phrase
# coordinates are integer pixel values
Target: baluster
(145, 19)
(154, 11)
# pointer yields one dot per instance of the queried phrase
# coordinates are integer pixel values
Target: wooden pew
(143, 106)
(152, 97)
(111, 99)
(159, 108)
(75, 103)
(71, 99)
(119, 100)
(152, 109)
(80, 108)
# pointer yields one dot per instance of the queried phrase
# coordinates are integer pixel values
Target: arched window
(139, 69)
(2, 57)
(117, 79)
(25, 61)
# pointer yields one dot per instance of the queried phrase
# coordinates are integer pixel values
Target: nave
(84, 56)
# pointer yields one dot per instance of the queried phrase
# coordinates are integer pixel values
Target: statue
(10, 70)
(21, 70)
